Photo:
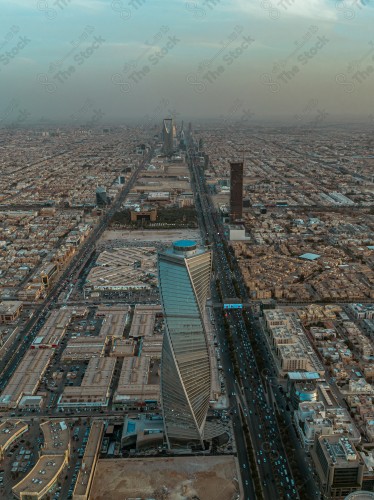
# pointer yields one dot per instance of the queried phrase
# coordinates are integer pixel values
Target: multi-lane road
(247, 393)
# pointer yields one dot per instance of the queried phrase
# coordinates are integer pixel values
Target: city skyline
(247, 62)
(110, 348)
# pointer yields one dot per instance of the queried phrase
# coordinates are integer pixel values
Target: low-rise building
(54, 456)
(10, 310)
(313, 418)
(26, 378)
(95, 387)
(10, 430)
(91, 454)
(134, 387)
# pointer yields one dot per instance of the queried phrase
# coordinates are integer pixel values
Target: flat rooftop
(143, 321)
(9, 429)
(303, 375)
(89, 458)
(95, 384)
(41, 475)
(56, 437)
(122, 348)
(134, 381)
(25, 380)
(126, 266)
(205, 478)
(10, 306)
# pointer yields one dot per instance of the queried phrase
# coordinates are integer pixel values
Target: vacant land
(166, 235)
(174, 478)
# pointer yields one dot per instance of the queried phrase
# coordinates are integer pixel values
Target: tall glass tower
(184, 273)
(168, 134)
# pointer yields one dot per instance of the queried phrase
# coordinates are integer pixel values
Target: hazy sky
(93, 61)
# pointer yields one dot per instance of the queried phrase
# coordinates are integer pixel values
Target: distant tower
(182, 137)
(101, 196)
(168, 136)
(184, 273)
(236, 190)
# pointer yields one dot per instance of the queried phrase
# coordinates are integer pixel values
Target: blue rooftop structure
(184, 246)
(303, 375)
(310, 256)
(184, 243)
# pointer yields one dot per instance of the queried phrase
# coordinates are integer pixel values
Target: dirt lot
(149, 235)
(221, 199)
(174, 478)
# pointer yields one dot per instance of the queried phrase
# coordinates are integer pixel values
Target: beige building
(53, 458)
(293, 358)
(95, 387)
(48, 274)
(87, 470)
(26, 379)
(122, 348)
(339, 466)
(133, 385)
(291, 346)
(10, 310)
(10, 430)
(144, 320)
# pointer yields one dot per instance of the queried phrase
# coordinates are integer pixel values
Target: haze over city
(201, 57)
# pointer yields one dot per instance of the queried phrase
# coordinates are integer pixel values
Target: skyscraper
(168, 136)
(236, 190)
(184, 277)
(101, 196)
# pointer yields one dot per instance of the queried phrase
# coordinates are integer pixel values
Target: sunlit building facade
(184, 276)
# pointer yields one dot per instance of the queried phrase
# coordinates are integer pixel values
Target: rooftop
(310, 256)
(42, 475)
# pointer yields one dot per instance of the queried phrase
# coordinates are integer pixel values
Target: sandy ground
(174, 478)
(221, 199)
(149, 235)
(178, 169)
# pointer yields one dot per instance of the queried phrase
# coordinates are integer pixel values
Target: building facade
(236, 190)
(101, 196)
(184, 277)
(338, 465)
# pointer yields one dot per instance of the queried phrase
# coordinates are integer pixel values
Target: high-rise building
(184, 273)
(168, 136)
(101, 196)
(338, 465)
(236, 190)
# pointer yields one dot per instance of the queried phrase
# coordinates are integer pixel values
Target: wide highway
(248, 393)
